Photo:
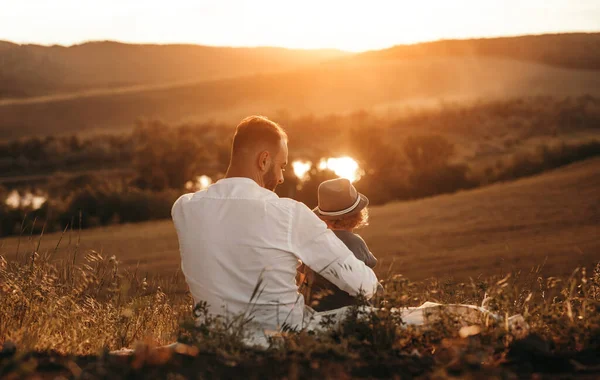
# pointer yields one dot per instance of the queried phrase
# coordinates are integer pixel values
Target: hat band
(342, 212)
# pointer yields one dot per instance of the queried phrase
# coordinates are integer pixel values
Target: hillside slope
(570, 50)
(495, 229)
(323, 89)
(490, 230)
(33, 70)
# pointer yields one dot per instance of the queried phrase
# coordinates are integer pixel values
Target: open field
(107, 86)
(328, 89)
(552, 218)
(63, 319)
(491, 230)
(34, 70)
(336, 87)
(30, 71)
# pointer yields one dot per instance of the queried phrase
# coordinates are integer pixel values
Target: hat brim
(364, 202)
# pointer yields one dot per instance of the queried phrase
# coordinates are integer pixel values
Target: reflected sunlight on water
(202, 182)
(345, 167)
(27, 200)
(301, 168)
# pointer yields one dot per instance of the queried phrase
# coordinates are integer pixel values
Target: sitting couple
(241, 244)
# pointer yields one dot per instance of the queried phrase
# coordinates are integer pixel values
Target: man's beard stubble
(270, 179)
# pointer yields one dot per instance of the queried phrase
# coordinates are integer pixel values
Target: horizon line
(173, 43)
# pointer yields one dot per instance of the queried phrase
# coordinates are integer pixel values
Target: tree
(167, 156)
(428, 151)
(431, 171)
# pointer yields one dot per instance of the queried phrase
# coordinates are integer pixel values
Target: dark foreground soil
(526, 358)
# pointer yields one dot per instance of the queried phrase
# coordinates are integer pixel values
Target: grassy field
(33, 70)
(62, 319)
(552, 218)
(508, 226)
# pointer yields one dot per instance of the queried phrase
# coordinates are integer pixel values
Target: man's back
(236, 237)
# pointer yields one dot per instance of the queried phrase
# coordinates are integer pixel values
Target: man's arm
(323, 252)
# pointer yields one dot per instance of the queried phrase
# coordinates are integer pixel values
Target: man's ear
(264, 160)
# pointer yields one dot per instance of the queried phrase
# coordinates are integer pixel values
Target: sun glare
(202, 182)
(344, 167)
(16, 200)
(301, 168)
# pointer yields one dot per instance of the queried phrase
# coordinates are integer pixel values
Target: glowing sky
(348, 25)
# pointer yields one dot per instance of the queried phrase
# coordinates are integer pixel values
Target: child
(343, 209)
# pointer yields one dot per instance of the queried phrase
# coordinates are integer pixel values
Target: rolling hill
(553, 218)
(414, 75)
(571, 50)
(334, 87)
(33, 70)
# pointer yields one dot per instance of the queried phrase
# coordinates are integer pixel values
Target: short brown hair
(254, 130)
(351, 222)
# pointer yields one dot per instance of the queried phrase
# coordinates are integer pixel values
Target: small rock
(468, 331)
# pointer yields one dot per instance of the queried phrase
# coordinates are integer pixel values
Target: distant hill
(422, 74)
(487, 231)
(33, 70)
(571, 50)
(334, 87)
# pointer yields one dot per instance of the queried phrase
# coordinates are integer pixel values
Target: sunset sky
(348, 25)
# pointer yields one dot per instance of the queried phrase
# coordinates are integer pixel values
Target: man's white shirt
(236, 235)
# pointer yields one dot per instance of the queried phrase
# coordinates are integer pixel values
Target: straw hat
(338, 198)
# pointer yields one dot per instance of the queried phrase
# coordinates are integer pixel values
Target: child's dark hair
(351, 222)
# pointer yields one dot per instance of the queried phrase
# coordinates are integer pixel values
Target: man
(241, 244)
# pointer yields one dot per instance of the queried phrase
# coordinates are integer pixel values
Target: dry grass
(549, 219)
(73, 300)
(82, 308)
(87, 309)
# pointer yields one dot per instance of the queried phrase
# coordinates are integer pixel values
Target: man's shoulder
(290, 204)
(184, 199)
(283, 204)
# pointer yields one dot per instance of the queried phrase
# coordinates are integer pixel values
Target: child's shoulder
(360, 249)
(351, 237)
(358, 238)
